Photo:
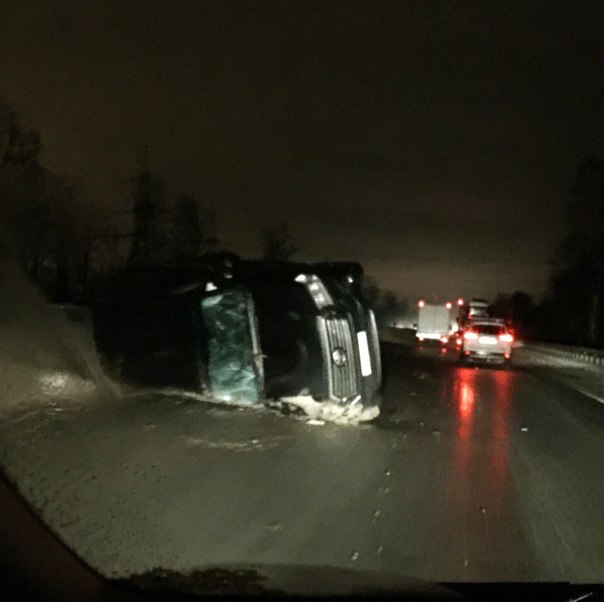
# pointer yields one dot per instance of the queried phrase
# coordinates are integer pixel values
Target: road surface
(468, 475)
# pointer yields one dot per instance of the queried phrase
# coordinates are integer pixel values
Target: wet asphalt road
(469, 475)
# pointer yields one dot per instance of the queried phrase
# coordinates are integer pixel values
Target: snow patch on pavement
(248, 445)
(64, 384)
(192, 395)
(327, 411)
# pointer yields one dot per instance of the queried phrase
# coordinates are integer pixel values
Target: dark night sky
(433, 141)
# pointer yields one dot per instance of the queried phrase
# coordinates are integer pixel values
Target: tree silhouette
(191, 229)
(149, 238)
(575, 301)
(278, 244)
(23, 209)
(520, 309)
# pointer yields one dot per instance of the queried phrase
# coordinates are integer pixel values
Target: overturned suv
(318, 339)
(241, 332)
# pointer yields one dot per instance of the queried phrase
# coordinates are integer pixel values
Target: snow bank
(44, 358)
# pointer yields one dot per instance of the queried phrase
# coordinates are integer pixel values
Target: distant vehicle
(487, 340)
(454, 340)
(435, 322)
(472, 310)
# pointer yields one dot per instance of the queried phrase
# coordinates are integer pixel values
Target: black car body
(307, 336)
(344, 280)
(191, 329)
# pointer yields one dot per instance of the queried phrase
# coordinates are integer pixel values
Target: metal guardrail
(585, 354)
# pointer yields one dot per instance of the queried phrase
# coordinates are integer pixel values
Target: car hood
(276, 579)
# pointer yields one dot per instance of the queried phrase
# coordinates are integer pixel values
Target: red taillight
(459, 341)
(470, 336)
(506, 338)
(443, 339)
(421, 303)
(448, 305)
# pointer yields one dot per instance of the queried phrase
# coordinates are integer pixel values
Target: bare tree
(53, 228)
(23, 209)
(577, 283)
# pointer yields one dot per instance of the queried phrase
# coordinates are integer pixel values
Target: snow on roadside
(46, 362)
(542, 357)
(584, 377)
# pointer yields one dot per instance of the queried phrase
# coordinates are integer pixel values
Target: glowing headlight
(316, 288)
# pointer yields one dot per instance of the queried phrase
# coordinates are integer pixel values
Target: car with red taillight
(487, 340)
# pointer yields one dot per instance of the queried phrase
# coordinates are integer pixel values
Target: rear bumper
(495, 358)
(429, 336)
(487, 354)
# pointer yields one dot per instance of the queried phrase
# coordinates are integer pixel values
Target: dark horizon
(434, 143)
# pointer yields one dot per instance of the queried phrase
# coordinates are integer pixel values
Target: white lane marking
(585, 392)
